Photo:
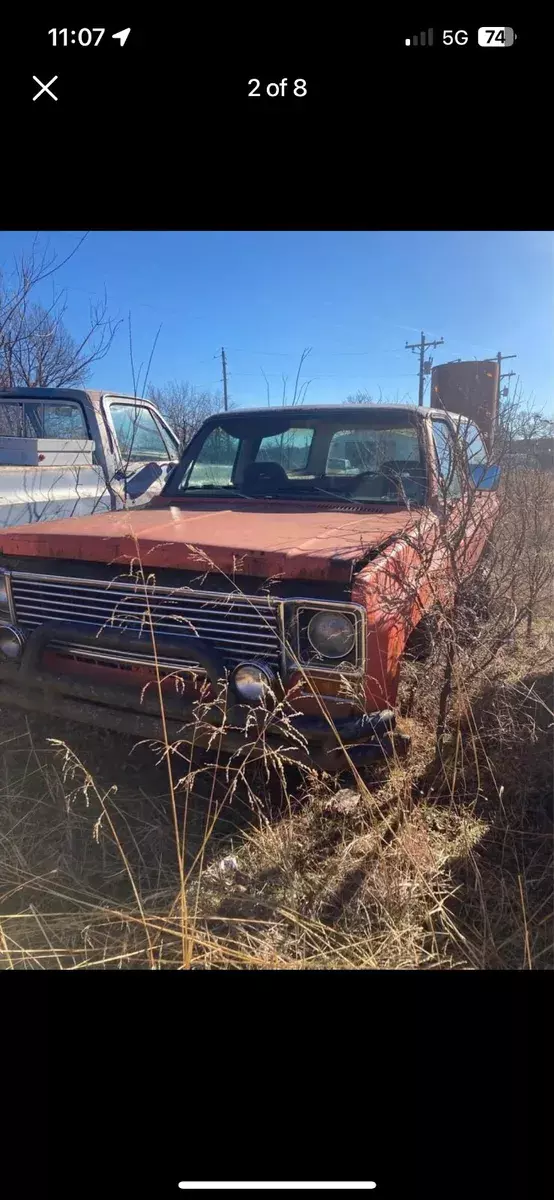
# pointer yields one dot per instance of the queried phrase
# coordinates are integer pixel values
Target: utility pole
(506, 375)
(424, 367)
(225, 393)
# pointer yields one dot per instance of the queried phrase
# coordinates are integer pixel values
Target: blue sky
(355, 297)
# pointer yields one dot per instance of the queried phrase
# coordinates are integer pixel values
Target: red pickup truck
(291, 554)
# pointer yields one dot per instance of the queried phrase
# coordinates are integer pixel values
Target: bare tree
(184, 406)
(521, 421)
(300, 389)
(524, 546)
(362, 396)
(36, 348)
(482, 580)
(299, 394)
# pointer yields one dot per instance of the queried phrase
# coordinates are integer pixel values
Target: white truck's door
(147, 448)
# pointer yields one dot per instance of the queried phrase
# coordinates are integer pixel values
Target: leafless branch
(184, 406)
(36, 348)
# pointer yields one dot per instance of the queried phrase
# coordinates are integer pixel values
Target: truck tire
(421, 641)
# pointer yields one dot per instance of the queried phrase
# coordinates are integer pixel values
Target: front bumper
(331, 744)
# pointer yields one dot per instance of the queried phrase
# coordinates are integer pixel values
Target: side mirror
(485, 478)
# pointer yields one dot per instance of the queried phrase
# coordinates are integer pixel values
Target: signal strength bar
(420, 39)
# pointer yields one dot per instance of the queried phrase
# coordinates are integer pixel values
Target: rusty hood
(290, 541)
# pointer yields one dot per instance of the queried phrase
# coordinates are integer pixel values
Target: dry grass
(443, 860)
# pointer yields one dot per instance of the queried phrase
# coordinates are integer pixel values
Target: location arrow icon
(122, 35)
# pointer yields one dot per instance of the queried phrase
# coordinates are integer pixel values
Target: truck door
(467, 513)
(482, 505)
(452, 499)
(147, 450)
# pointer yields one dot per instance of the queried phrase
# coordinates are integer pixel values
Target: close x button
(45, 87)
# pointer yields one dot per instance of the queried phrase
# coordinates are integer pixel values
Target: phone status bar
(493, 36)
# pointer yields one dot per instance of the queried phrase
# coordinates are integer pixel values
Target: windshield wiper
(291, 494)
(342, 496)
(306, 491)
(214, 487)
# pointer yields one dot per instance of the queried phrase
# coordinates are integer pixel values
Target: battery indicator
(496, 36)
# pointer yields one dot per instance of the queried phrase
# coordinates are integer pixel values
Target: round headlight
(252, 682)
(331, 634)
(11, 643)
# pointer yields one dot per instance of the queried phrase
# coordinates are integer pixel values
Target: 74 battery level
(496, 36)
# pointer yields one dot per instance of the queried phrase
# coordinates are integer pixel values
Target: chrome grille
(239, 627)
(104, 657)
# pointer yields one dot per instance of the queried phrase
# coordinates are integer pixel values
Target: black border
(430, 1083)
(165, 136)
(427, 1082)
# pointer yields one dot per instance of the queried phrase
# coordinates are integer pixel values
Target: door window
(139, 435)
(448, 468)
(477, 455)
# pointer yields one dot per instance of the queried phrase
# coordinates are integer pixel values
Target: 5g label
(459, 36)
(298, 87)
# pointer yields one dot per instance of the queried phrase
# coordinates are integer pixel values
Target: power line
(329, 353)
(424, 367)
(276, 375)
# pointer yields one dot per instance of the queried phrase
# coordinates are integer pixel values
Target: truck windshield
(373, 458)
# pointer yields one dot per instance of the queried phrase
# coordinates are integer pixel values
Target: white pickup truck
(70, 452)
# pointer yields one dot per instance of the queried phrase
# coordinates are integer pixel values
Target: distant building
(533, 452)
